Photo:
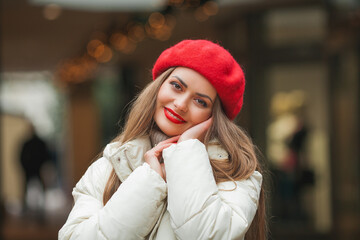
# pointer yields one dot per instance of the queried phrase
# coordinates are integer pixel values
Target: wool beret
(213, 62)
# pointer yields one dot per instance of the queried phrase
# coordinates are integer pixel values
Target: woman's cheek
(201, 116)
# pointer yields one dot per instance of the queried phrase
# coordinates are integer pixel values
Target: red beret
(213, 62)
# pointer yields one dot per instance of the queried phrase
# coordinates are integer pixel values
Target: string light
(76, 70)
(203, 12)
(119, 41)
(136, 32)
(210, 8)
(106, 55)
(158, 26)
(156, 20)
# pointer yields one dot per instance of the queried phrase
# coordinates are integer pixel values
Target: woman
(181, 169)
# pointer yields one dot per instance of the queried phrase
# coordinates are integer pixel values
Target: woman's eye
(201, 102)
(176, 85)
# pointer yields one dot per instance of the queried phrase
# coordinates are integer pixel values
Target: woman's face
(185, 99)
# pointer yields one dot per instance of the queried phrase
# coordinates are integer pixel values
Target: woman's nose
(181, 103)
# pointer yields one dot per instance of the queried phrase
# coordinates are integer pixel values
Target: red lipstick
(172, 116)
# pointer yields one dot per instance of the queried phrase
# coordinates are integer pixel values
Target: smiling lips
(172, 116)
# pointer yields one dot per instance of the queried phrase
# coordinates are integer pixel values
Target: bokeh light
(52, 11)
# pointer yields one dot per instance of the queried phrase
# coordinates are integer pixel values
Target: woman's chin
(171, 132)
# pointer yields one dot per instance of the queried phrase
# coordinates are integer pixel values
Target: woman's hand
(153, 156)
(196, 132)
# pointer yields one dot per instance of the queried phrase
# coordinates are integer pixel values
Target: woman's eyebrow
(205, 96)
(200, 94)
(182, 82)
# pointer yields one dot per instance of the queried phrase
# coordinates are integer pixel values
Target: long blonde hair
(242, 160)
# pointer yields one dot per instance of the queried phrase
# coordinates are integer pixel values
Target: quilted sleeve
(198, 209)
(131, 212)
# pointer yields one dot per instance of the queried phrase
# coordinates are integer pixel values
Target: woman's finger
(170, 140)
(160, 148)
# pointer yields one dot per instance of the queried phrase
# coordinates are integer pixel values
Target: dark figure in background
(297, 175)
(34, 154)
(303, 175)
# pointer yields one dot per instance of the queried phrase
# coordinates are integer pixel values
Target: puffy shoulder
(95, 178)
(250, 187)
(243, 198)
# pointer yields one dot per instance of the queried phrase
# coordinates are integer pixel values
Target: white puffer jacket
(190, 205)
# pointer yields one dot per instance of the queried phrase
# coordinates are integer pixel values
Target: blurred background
(70, 67)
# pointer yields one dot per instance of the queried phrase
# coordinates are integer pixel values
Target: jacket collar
(127, 157)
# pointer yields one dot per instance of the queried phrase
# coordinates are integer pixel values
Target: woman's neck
(156, 136)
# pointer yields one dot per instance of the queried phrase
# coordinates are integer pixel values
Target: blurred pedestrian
(34, 153)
